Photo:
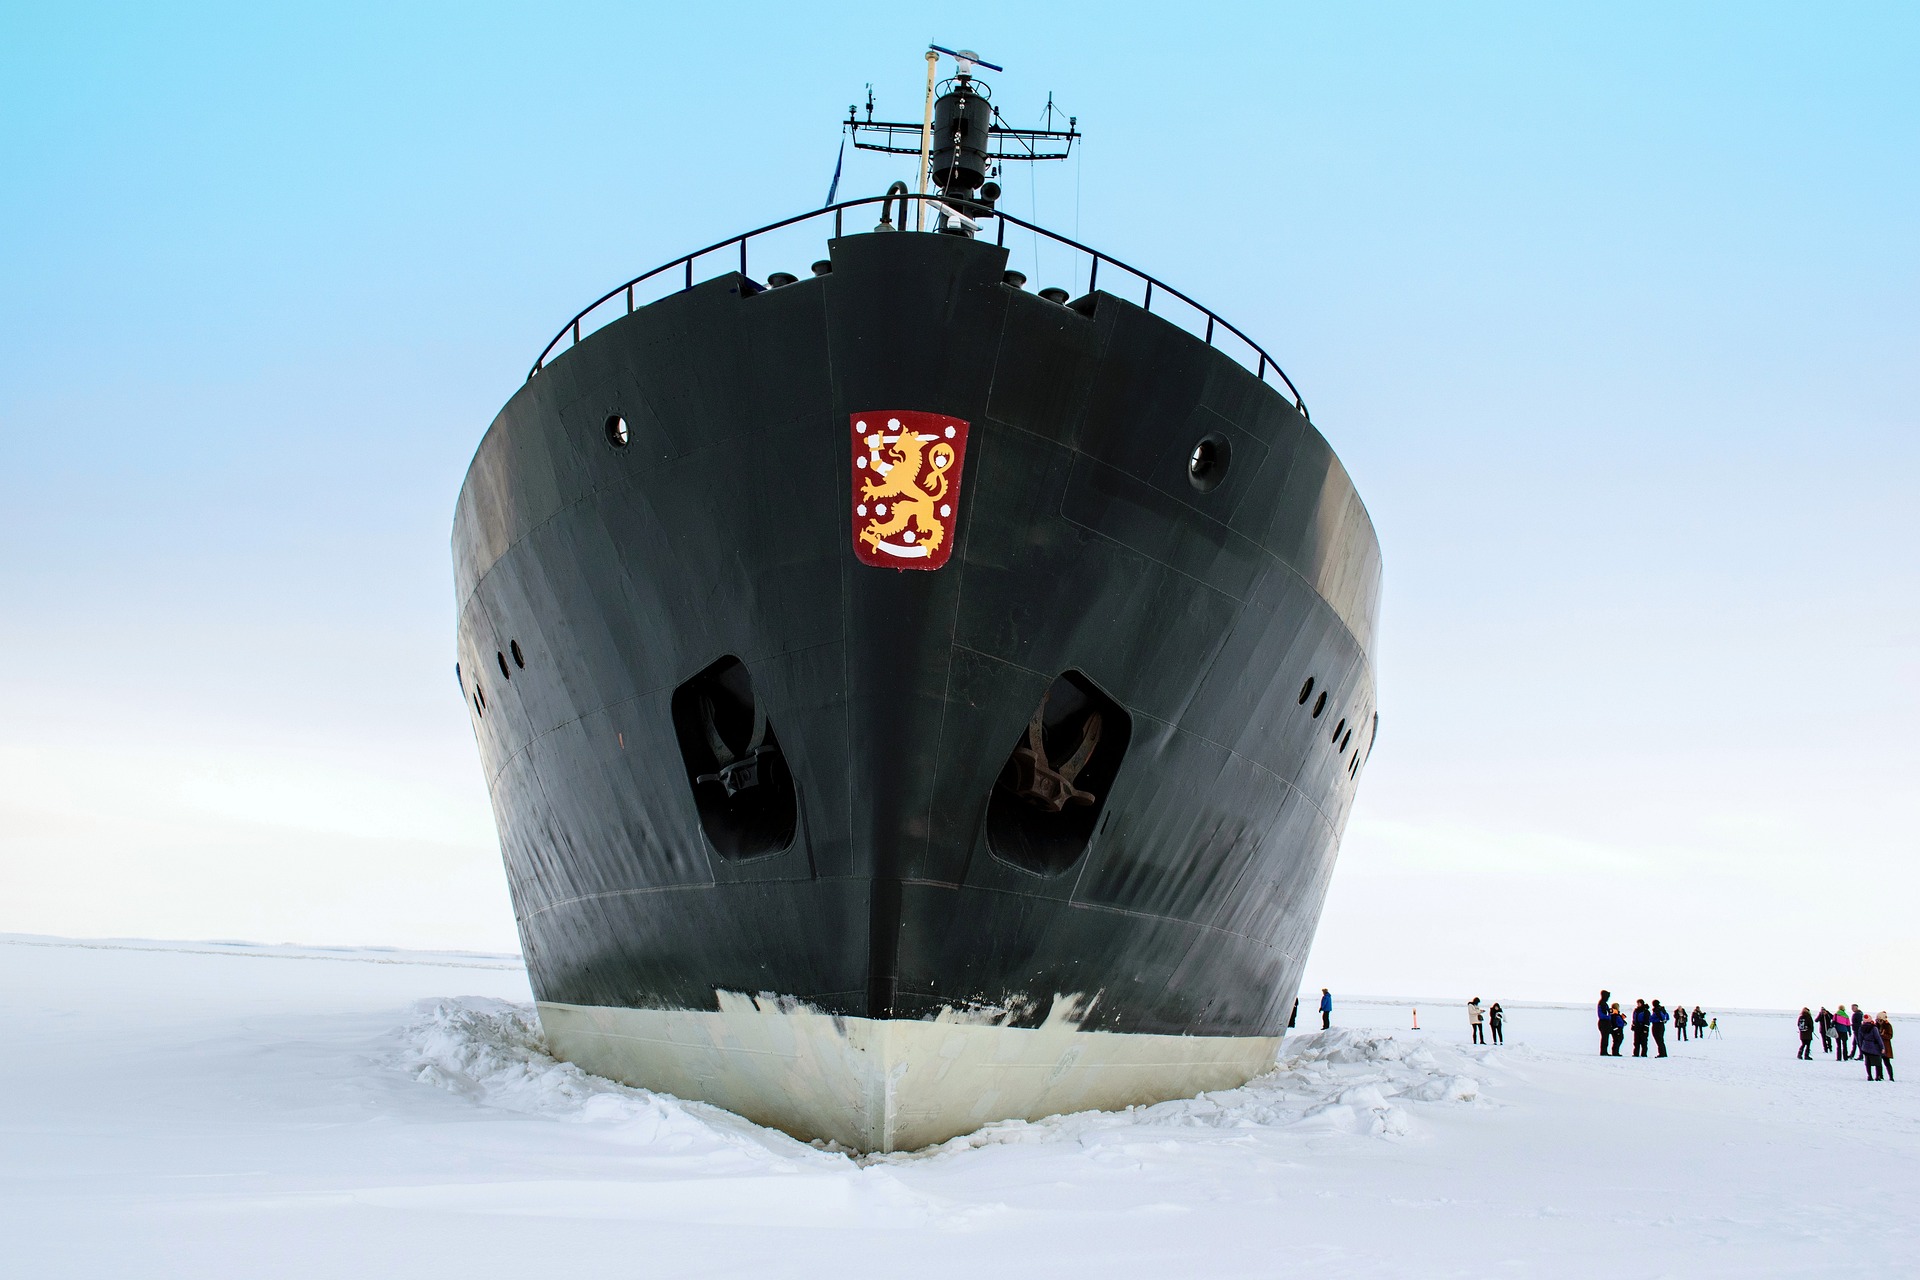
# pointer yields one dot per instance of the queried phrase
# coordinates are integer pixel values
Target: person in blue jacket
(1617, 1022)
(1326, 1008)
(1606, 1021)
(1642, 1024)
(1660, 1019)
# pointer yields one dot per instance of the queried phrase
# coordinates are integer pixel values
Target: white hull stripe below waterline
(892, 1085)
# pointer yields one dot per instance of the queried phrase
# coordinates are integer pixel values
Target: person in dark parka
(1642, 1021)
(1884, 1025)
(1825, 1023)
(1617, 1026)
(1680, 1021)
(1606, 1022)
(1866, 1039)
(1806, 1034)
(1699, 1023)
(1326, 1009)
(1496, 1022)
(1660, 1019)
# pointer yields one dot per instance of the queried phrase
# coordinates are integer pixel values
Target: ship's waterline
(890, 1084)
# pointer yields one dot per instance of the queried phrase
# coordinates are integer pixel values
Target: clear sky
(1613, 313)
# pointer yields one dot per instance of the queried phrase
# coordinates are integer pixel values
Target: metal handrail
(686, 261)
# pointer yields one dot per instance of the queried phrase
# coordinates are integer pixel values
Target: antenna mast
(926, 141)
(960, 140)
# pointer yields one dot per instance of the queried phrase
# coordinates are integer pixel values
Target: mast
(926, 142)
(962, 140)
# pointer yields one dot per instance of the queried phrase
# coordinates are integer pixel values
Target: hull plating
(599, 583)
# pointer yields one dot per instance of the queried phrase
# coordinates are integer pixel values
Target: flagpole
(926, 143)
(834, 189)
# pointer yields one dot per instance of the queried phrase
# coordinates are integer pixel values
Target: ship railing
(1101, 270)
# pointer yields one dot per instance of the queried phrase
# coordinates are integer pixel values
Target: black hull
(1081, 545)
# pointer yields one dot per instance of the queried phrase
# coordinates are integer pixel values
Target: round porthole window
(519, 659)
(501, 658)
(617, 431)
(1319, 705)
(1306, 691)
(1207, 464)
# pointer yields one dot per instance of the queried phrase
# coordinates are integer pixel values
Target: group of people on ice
(1649, 1022)
(1490, 1019)
(1848, 1033)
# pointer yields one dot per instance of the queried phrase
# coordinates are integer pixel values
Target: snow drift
(1343, 1081)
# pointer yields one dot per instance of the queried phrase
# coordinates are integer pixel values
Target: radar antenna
(962, 140)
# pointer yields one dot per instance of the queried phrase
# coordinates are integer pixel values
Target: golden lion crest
(906, 482)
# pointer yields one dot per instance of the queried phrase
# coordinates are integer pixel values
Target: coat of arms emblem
(906, 487)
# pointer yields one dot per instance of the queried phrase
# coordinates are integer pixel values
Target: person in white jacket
(1476, 1018)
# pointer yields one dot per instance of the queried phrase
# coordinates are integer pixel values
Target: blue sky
(1611, 311)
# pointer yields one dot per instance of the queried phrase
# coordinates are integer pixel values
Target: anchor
(739, 772)
(1036, 780)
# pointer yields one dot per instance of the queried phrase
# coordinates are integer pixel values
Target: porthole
(1207, 464)
(1306, 691)
(1346, 742)
(458, 678)
(501, 658)
(1339, 729)
(617, 431)
(1319, 705)
(519, 659)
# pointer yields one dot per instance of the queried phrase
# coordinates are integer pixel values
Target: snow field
(195, 1110)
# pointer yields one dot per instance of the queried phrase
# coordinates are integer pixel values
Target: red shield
(906, 487)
